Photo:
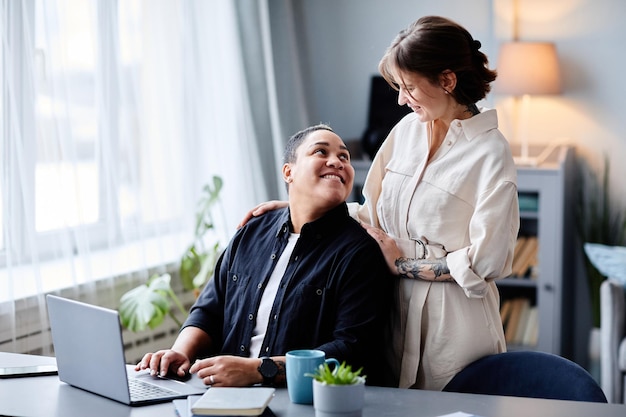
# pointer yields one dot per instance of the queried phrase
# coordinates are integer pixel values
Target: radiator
(33, 331)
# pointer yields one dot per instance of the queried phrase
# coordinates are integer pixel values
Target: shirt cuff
(460, 269)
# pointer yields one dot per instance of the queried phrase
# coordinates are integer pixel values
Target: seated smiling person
(303, 277)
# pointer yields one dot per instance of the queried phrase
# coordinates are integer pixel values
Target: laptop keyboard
(141, 390)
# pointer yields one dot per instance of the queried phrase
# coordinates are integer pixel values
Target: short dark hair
(296, 140)
(433, 44)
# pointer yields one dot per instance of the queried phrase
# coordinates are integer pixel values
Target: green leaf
(341, 375)
(190, 265)
(204, 217)
(146, 305)
(207, 267)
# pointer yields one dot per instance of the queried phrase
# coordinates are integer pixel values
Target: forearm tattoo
(281, 377)
(425, 269)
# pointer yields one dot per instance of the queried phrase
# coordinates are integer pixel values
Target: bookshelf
(535, 299)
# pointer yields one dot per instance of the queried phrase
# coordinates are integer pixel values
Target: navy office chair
(527, 374)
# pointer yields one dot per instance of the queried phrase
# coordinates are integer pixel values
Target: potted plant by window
(339, 392)
(148, 304)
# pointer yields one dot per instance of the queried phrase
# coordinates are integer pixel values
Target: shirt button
(234, 277)
(267, 349)
(458, 124)
(250, 317)
(318, 292)
(242, 348)
(259, 286)
(295, 258)
(449, 143)
(273, 256)
(275, 317)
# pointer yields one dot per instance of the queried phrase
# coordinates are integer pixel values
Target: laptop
(89, 350)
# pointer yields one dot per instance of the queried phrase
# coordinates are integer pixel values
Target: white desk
(47, 396)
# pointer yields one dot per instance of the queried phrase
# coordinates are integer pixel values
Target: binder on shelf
(528, 202)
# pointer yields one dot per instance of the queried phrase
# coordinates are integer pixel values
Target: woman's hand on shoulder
(262, 209)
(387, 245)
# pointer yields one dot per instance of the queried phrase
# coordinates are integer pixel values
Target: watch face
(268, 368)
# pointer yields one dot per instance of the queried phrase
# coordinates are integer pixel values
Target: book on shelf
(505, 311)
(524, 318)
(511, 327)
(525, 256)
(520, 246)
(520, 321)
(515, 319)
(531, 332)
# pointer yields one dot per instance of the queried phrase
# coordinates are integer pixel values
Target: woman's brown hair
(434, 44)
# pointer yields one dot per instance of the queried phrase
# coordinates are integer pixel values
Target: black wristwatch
(268, 370)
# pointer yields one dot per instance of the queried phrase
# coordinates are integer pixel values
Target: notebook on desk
(89, 350)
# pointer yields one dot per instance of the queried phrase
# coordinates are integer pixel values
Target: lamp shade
(528, 68)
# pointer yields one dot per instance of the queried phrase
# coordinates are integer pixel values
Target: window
(85, 136)
(115, 114)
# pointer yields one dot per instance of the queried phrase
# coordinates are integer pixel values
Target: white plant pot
(338, 400)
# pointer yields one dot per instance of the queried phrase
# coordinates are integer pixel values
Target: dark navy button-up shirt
(334, 295)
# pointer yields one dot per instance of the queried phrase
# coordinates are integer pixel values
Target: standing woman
(441, 199)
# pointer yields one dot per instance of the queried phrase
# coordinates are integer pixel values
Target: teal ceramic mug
(299, 363)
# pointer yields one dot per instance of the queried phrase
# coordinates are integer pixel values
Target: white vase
(338, 400)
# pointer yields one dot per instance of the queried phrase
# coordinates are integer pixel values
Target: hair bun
(476, 44)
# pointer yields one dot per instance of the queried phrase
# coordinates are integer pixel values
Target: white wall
(341, 42)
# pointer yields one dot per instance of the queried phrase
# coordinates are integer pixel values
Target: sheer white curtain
(113, 116)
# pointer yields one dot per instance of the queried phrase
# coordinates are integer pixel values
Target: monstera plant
(147, 305)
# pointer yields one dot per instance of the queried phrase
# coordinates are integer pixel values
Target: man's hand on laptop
(165, 363)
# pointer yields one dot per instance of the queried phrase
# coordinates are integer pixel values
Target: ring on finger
(212, 379)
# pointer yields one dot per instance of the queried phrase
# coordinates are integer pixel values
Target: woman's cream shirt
(463, 205)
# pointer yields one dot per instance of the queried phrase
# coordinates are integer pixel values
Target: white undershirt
(269, 294)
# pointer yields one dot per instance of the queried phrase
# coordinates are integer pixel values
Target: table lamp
(526, 68)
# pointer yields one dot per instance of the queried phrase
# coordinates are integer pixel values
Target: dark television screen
(384, 112)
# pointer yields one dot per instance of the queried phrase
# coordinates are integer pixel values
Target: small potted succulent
(338, 392)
